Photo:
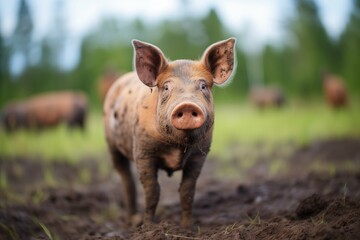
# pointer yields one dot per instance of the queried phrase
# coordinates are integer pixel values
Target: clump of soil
(313, 205)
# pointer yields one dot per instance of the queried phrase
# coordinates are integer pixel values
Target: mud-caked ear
(149, 62)
(220, 59)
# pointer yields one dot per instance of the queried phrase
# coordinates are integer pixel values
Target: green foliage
(312, 51)
(350, 45)
(295, 66)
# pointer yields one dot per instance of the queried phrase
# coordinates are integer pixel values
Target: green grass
(59, 142)
(299, 123)
(237, 123)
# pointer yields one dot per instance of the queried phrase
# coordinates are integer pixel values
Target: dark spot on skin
(168, 129)
(115, 115)
(145, 107)
(124, 112)
(230, 59)
(130, 92)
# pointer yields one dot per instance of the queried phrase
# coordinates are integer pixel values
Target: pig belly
(171, 161)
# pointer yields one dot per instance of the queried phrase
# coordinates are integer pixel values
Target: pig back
(121, 112)
(52, 108)
(335, 91)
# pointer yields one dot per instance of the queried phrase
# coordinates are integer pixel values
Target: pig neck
(147, 110)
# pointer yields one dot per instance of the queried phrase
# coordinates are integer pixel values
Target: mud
(315, 194)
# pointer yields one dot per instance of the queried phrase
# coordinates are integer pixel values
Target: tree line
(295, 66)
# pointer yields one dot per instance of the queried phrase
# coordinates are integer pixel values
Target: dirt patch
(86, 204)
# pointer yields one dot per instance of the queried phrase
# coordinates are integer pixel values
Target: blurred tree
(4, 63)
(54, 42)
(174, 39)
(46, 74)
(273, 65)
(21, 39)
(213, 27)
(4, 58)
(108, 45)
(313, 49)
(350, 48)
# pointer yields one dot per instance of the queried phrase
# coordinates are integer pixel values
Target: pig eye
(168, 85)
(203, 85)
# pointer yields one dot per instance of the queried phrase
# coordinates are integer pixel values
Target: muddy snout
(187, 116)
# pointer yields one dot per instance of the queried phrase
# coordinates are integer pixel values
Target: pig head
(161, 117)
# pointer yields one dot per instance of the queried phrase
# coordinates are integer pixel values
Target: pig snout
(187, 116)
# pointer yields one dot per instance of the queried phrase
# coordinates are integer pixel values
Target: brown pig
(335, 91)
(46, 110)
(105, 82)
(263, 97)
(162, 117)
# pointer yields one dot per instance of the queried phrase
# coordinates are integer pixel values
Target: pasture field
(234, 124)
(290, 173)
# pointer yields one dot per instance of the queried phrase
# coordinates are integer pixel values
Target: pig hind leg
(78, 117)
(122, 165)
(148, 178)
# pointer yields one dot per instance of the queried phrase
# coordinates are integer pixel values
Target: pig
(12, 117)
(105, 82)
(46, 110)
(335, 91)
(161, 116)
(263, 97)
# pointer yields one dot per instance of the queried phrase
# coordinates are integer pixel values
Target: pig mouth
(186, 137)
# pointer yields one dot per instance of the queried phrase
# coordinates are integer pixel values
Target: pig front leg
(148, 177)
(190, 175)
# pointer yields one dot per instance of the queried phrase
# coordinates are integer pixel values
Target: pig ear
(149, 62)
(219, 58)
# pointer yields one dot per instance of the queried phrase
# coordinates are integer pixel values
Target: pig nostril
(194, 114)
(180, 114)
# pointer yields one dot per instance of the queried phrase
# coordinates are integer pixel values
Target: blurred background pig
(335, 91)
(262, 97)
(46, 110)
(105, 81)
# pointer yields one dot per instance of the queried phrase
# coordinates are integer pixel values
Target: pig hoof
(185, 224)
(136, 220)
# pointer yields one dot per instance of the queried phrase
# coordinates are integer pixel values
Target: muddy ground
(287, 192)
